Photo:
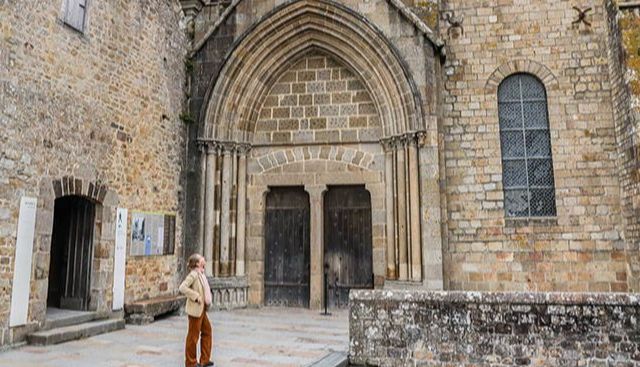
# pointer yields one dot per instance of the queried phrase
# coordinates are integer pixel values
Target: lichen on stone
(428, 11)
(630, 27)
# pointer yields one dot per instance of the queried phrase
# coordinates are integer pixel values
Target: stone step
(67, 333)
(333, 359)
(68, 319)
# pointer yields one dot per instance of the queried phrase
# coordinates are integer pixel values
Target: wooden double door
(287, 273)
(348, 248)
(347, 245)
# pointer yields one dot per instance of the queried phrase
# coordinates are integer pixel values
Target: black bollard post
(326, 289)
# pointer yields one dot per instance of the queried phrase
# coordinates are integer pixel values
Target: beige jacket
(192, 288)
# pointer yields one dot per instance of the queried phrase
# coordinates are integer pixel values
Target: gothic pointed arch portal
(370, 122)
(290, 31)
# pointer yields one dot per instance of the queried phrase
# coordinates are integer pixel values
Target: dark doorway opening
(71, 253)
(286, 275)
(347, 242)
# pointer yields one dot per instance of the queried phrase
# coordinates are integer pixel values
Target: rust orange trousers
(198, 326)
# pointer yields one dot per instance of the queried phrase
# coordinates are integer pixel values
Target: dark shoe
(208, 364)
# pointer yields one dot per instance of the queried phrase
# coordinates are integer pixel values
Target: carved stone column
(225, 234)
(401, 205)
(391, 271)
(316, 257)
(414, 210)
(242, 201)
(233, 211)
(209, 205)
(201, 207)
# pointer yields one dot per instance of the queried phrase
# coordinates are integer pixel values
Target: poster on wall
(23, 258)
(119, 259)
(152, 233)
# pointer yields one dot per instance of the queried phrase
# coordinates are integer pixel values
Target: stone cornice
(191, 8)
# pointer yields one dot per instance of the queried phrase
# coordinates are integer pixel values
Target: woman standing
(196, 287)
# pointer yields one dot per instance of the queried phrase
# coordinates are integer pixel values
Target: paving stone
(250, 337)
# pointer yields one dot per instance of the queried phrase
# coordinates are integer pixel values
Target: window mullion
(524, 139)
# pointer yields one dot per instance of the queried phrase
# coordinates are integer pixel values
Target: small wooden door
(347, 242)
(71, 253)
(286, 275)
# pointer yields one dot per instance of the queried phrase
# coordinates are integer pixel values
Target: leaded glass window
(527, 167)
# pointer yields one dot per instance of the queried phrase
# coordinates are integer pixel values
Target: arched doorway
(287, 254)
(71, 253)
(319, 88)
(348, 250)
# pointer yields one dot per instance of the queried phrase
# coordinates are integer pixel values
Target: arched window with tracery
(527, 165)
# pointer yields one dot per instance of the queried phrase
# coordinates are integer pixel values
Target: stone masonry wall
(624, 38)
(317, 100)
(493, 329)
(102, 107)
(582, 247)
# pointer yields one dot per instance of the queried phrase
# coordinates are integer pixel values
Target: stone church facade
(89, 110)
(460, 145)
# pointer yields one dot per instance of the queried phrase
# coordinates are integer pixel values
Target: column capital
(227, 147)
(412, 138)
(243, 148)
(426, 138)
(405, 139)
(202, 148)
(315, 190)
(387, 144)
(212, 148)
(419, 138)
(207, 146)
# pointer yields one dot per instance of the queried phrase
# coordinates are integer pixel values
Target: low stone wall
(229, 293)
(419, 328)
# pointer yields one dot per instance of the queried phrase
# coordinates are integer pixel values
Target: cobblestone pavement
(251, 337)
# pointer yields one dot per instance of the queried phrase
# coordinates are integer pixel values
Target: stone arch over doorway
(238, 161)
(105, 201)
(285, 35)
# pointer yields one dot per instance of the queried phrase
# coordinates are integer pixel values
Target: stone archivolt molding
(269, 47)
(521, 66)
(348, 156)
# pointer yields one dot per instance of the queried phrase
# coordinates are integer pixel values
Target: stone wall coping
(228, 282)
(541, 298)
(143, 305)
